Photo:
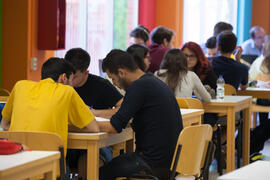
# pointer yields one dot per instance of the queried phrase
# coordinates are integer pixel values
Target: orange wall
(261, 14)
(14, 42)
(20, 42)
(170, 14)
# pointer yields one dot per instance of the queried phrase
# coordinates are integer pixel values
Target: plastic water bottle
(220, 87)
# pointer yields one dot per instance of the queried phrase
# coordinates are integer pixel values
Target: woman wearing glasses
(198, 63)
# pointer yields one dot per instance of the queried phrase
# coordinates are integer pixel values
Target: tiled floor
(266, 151)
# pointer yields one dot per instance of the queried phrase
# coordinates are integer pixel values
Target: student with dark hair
(140, 54)
(156, 120)
(161, 41)
(49, 105)
(174, 72)
(55, 67)
(233, 72)
(98, 93)
(254, 45)
(211, 46)
(95, 91)
(218, 28)
(139, 35)
(222, 26)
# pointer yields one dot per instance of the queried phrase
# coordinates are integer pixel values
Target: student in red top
(161, 41)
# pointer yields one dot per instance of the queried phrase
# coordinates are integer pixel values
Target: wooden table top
(258, 170)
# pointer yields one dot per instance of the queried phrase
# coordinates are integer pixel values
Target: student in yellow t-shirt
(50, 105)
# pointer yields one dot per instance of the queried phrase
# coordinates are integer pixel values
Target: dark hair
(118, 59)
(211, 43)
(227, 41)
(175, 62)
(138, 52)
(253, 30)
(203, 65)
(222, 26)
(140, 32)
(160, 33)
(54, 67)
(265, 66)
(79, 58)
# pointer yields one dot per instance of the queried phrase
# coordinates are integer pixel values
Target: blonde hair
(265, 66)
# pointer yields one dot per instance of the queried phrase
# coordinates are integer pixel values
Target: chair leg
(219, 158)
(176, 161)
(208, 160)
(239, 143)
(254, 121)
(63, 175)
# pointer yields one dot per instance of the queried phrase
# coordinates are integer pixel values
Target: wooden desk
(229, 106)
(255, 92)
(191, 116)
(258, 170)
(92, 142)
(27, 164)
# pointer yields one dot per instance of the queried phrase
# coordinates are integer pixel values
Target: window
(200, 17)
(99, 26)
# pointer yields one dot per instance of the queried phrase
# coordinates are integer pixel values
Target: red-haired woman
(198, 63)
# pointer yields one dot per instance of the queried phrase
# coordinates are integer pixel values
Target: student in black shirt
(233, 72)
(156, 120)
(98, 93)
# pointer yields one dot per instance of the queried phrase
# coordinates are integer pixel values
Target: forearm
(92, 127)
(105, 113)
(243, 87)
(5, 124)
(106, 127)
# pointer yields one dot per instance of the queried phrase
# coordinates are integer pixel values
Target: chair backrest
(194, 103)
(229, 90)
(35, 140)
(4, 92)
(182, 103)
(38, 141)
(192, 144)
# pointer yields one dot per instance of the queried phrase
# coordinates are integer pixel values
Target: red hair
(203, 65)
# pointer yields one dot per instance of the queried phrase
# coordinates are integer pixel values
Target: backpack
(9, 147)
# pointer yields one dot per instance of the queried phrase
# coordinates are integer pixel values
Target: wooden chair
(193, 152)
(229, 90)
(4, 92)
(193, 103)
(39, 141)
(182, 103)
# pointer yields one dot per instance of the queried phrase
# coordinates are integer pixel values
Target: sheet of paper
(101, 119)
(263, 84)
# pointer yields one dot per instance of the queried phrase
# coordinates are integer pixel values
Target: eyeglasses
(192, 56)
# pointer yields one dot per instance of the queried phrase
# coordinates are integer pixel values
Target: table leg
(246, 135)
(230, 139)
(92, 161)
